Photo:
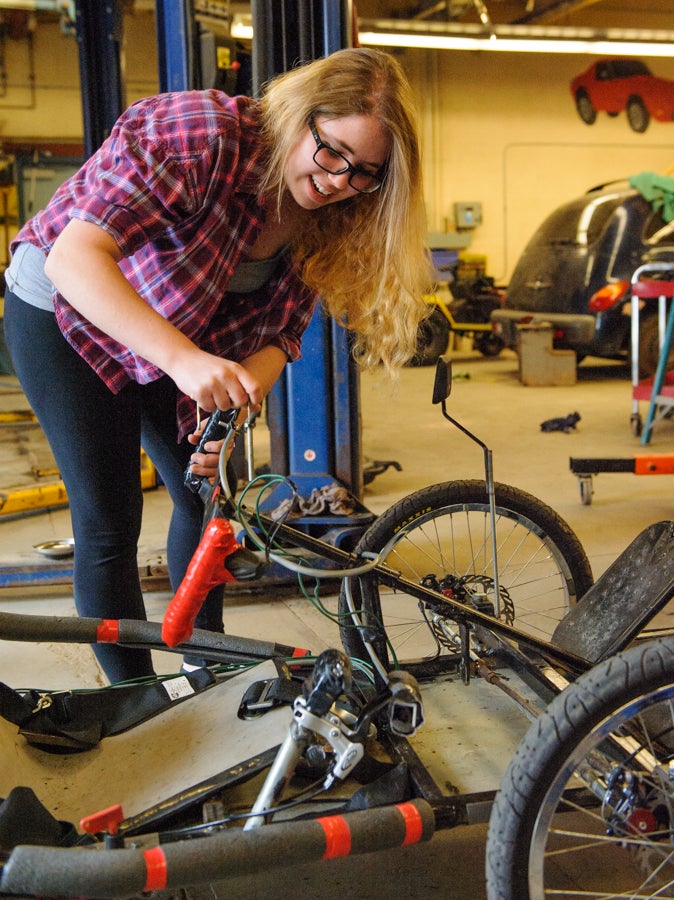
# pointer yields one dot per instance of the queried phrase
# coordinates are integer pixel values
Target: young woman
(179, 268)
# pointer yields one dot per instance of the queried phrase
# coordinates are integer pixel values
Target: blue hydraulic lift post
(98, 28)
(314, 409)
(175, 45)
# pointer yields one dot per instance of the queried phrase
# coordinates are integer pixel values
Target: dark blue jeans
(95, 437)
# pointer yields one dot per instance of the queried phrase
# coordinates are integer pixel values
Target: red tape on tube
(155, 862)
(414, 825)
(337, 837)
(108, 632)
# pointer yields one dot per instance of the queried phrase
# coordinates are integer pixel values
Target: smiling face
(360, 139)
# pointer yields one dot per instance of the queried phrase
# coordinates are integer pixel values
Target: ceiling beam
(546, 10)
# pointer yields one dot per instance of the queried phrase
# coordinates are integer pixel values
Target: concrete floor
(399, 423)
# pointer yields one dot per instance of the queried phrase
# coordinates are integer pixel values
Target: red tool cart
(659, 390)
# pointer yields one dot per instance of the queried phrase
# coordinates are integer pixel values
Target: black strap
(261, 696)
(65, 722)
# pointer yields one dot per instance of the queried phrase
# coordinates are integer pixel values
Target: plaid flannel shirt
(176, 185)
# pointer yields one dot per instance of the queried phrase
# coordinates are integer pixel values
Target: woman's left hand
(204, 463)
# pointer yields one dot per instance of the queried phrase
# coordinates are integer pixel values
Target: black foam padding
(629, 593)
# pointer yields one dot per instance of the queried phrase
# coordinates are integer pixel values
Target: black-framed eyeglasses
(333, 162)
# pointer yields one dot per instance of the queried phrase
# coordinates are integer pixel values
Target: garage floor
(399, 423)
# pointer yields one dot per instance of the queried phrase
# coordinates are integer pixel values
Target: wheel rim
(616, 837)
(536, 585)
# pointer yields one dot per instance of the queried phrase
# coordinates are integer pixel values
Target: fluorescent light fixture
(58, 6)
(242, 28)
(516, 39)
(500, 38)
(511, 45)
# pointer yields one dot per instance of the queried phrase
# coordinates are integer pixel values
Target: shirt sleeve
(298, 318)
(155, 169)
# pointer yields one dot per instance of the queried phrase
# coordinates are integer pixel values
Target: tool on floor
(562, 423)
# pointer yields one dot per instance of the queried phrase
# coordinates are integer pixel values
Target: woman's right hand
(84, 257)
(215, 383)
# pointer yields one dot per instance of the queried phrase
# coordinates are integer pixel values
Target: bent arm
(83, 265)
(266, 365)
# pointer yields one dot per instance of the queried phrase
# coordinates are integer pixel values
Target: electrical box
(468, 214)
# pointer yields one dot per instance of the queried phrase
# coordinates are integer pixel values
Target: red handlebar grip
(206, 570)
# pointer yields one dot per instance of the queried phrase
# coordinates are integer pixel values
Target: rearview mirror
(442, 386)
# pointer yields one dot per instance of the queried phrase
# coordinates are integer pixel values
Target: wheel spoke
(442, 538)
(594, 816)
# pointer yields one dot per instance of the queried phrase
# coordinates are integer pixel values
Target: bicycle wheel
(586, 806)
(443, 538)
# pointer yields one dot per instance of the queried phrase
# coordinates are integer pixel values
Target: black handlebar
(217, 428)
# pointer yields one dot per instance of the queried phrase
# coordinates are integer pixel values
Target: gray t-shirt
(25, 277)
(251, 274)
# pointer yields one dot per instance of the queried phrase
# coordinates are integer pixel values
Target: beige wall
(497, 128)
(502, 128)
(53, 111)
(53, 108)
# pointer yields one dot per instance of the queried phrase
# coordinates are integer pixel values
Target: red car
(614, 85)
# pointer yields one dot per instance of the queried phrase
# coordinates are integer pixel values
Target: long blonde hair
(366, 256)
